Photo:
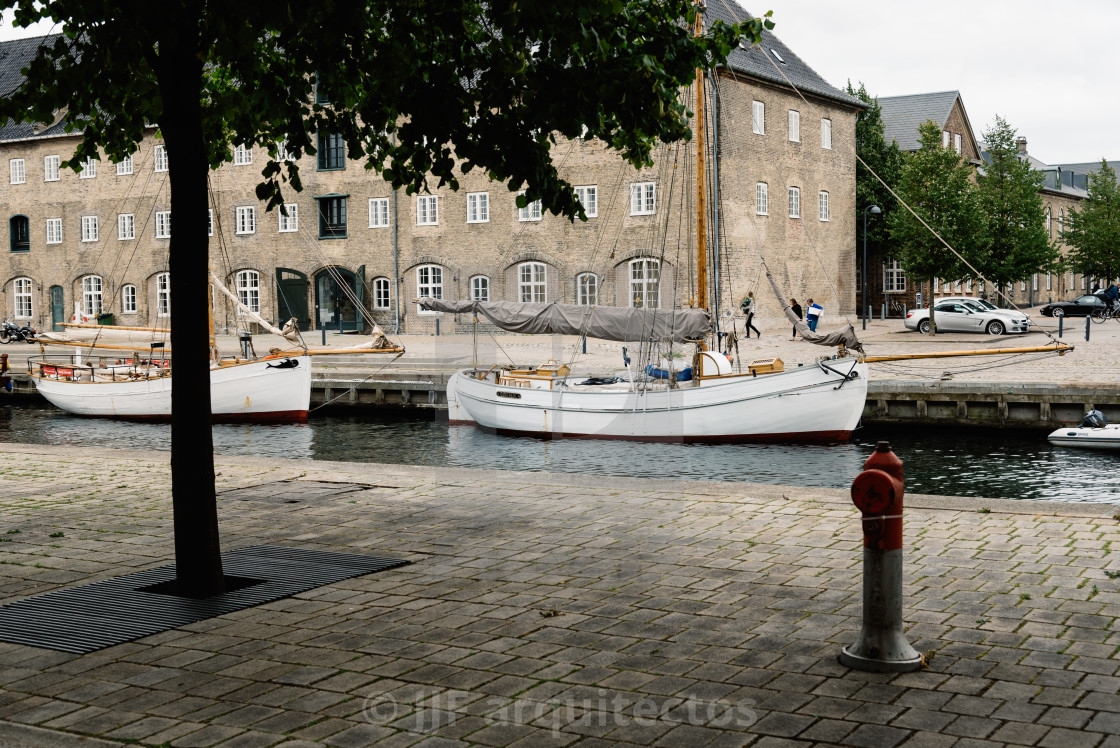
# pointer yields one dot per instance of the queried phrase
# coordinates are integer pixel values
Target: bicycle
(1109, 312)
(895, 307)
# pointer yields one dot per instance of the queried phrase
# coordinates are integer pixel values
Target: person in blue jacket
(813, 315)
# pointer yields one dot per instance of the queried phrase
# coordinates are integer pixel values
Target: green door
(291, 297)
(58, 309)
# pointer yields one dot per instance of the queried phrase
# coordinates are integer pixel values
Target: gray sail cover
(604, 322)
(844, 337)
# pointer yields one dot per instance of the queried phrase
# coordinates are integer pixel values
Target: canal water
(959, 462)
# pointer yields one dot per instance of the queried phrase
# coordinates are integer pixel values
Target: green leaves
(1093, 232)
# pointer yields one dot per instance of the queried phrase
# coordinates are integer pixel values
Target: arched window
(645, 277)
(19, 233)
(532, 279)
(249, 289)
(22, 297)
(91, 295)
(587, 289)
(163, 295)
(128, 299)
(381, 291)
(429, 282)
(1048, 232)
(480, 288)
(1061, 221)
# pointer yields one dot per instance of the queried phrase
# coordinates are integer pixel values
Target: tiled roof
(756, 63)
(15, 55)
(903, 114)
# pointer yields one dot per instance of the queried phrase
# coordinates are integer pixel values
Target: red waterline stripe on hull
(814, 437)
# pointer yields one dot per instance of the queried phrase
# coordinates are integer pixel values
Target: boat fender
(288, 363)
(1094, 419)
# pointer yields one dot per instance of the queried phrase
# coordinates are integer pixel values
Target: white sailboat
(126, 373)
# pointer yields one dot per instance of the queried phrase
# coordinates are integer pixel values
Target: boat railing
(82, 368)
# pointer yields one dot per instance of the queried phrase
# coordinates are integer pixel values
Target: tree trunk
(198, 561)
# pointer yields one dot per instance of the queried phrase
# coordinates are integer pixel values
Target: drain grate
(86, 619)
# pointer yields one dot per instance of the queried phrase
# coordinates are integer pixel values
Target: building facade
(781, 153)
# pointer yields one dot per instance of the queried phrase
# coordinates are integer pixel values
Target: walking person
(813, 315)
(747, 307)
(798, 311)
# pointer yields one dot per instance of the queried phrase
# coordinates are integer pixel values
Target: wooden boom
(1061, 349)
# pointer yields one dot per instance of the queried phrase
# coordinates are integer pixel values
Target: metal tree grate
(95, 616)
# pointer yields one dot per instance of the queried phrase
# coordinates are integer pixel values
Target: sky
(1045, 67)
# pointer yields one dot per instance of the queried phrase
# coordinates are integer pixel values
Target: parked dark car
(1082, 306)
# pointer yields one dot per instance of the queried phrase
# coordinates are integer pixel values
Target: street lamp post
(863, 281)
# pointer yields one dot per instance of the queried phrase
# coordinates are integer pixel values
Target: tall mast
(701, 229)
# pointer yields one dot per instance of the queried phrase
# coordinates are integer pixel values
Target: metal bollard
(1061, 319)
(882, 645)
(1088, 319)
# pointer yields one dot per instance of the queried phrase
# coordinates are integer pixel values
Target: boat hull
(810, 403)
(252, 391)
(1107, 437)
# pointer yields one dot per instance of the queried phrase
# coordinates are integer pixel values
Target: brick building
(785, 168)
(1062, 191)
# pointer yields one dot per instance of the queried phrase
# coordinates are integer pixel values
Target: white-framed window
(826, 134)
(794, 126)
(248, 284)
(1061, 221)
(282, 153)
(643, 198)
(163, 224)
(429, 283)
(1034, 282)
(968, 286)
(163, 295)
(531, 212)
(210, 222)
(937, 285)
(957, 142)
(1023, 285)
(478, 207)
(894, 278)
(50, 168)
(290, 222)
(381, 293)
(761, 199)
(1048, 223)
(1071, 279)
(794, 202)
(379, 212)
(587, 289)
(22, 296)
(159, 158)
(89, 169)
(242, 155)
(17, 170)
(645, 279)
(91, 295)
(427, 210)
(54, 231)
(89, 228)
(957, 287)
(246, 220)
(1049, 281)
(1083, 286)
(532, 281)
(945, 135)
(588, 196)
(758, 118)
(822, 206)
(128, 299)
(124, 166)
(126, 226)
(480, 288)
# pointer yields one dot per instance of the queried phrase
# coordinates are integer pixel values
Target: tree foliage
(880, 157)
(937, 183)
(419, 90)
(1093, 232)
(1015, 239)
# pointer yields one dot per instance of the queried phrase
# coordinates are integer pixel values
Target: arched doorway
(291, 297)
(58, 309)
(336, 291)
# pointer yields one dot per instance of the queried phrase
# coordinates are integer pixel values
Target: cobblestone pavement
(545, 610)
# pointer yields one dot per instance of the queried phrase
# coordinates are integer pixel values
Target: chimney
(1022, 143)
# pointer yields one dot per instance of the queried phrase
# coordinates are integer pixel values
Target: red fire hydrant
(882, 645)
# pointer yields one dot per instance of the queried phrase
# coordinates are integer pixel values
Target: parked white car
(966, 314)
